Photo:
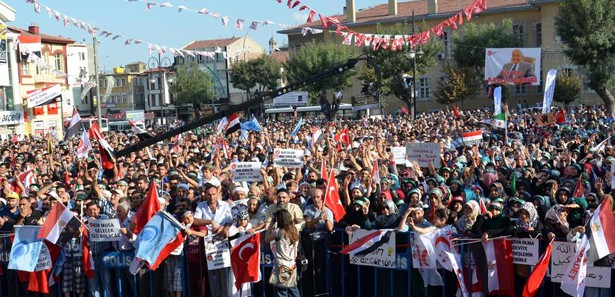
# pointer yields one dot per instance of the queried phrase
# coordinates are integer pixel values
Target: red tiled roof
(199, 44)
(44, 37)
(380, 12)
(281, 56)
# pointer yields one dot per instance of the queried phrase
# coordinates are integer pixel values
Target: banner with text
(105, 230)
(292, 99)
(217, 253)
(563, 253)
(361, 102)
(246, 171)
(399, 154)
(288, 158)
(512, 66)
(525, 251)
(383, 257)
(424, 153)
(11, 117)
(43, 96)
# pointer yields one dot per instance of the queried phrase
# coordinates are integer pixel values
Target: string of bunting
(383, 41)
(254, 24)
(66, 20)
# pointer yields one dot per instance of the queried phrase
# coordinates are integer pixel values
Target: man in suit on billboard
(517, 70)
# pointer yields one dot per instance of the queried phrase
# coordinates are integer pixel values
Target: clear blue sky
(165, 26)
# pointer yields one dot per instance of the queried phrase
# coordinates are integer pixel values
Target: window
(447, 40)
(58, 62)
(201, 59)
(123, 98)
(152, 99)
(219, 57)
(102, 83)
(538, 36)
(541, 86)
(424, 88)
(82, 56)
(24, 68)
(520, 89)
(519, 33)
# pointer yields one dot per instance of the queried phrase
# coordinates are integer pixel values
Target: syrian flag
(73, 125)
(245, 260)
(84, 146)
(499, 267)
(601, 231)
(60, 225)
(140, 132)
(332, 198)
(232, 124)
(297, 128)
(573, 281)
(498, 121)
(368, 243)
(534, 282)
(149, 207)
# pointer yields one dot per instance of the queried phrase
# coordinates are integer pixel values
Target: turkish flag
(245, 259)
(456, 112)
(535, 280)
(342, 136)
(560, 117)
(149, 207)
(332, 198)
(323, 169)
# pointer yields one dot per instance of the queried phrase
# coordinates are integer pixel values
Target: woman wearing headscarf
(493, 223)
(357, 216)
(542, 204)
(456, 187)
(528, 225)
(496, 190)
(465, 223)
(556, 222)
(435, 202)
(389, 215)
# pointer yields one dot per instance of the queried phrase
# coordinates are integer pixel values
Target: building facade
(121, 90)
(226, 52)
(80, 77)
(533, 26)
(10, 103)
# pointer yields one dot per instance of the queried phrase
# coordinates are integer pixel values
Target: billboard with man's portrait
(512, 66)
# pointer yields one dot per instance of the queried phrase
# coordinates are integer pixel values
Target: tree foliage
(394, 64)
(458, 84)
(568, 87)
(192, 85)
(263, 72)
(472, 39)
(315, 57)
(586, 27)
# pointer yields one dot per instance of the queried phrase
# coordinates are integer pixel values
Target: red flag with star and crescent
(332, 198)
(245, 259)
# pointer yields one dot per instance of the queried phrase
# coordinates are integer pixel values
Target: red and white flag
(84, 146)
(232, 124)
(59, 225)
(342, 137)
(27, 178)
(367, 243)
(449, 257)
(424, 258)
(573, 281)
(323, 169)
(481, 204)
(245, 259)
(403, 110)
(104, 149)
(332, 198)
(149, 207)
(601, 231)
(500, 277)
(534, 282)
(73, 125)
(579, 191)
(87, 261)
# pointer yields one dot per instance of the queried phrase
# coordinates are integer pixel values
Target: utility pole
(98, 103)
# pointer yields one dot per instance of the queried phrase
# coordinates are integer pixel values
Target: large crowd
(535, 181)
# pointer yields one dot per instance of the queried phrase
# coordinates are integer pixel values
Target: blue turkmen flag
(26, 248)
(297, 128)
(252, 125)
(160, 230)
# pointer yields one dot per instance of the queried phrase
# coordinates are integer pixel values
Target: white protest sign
(424, 153)
(44, 259)
(217, 253)
(105, 230)
(292, 98)
(525, 251)
(383, 257)
(399, 154)
(563, 253)
(246, 171)
(288, 158)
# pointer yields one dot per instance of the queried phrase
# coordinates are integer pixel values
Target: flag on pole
(297, 128)
(579, 191)
(252, 125)
(332, 198)
(497, 121)
(84, 147)
(601, 231)
(497, 100)
(153, 241)
(60, 225)
(573, 281)
(232, 124)
(456, 112)
(87, 261)
(149, 207)
(500, 277)
(424, 258)
(73, 125)
(403, 110)
(104, 149)
(534, 282)
(323, 169)
(26, 248)
(367, 243)
(140, 132)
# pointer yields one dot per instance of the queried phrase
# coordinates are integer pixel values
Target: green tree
(192, 85)
(459, 84)
(586, 27)
(263, 72)
(568, 87)
(315, 57)
(394, 64)
(243, 76)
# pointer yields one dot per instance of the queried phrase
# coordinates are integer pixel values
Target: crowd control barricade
(329, 273)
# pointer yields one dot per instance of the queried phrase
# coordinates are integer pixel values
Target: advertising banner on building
(3, 44)
(43, 96)
(512, 66)
(11, 117)
(292, 99)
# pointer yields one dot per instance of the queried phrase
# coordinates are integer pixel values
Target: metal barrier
(329, 274)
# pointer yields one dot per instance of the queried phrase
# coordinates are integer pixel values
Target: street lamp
(411, 54)
(159, 64)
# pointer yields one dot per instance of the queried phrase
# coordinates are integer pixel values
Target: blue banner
(26, 248)
(161, 229)
(252, 125)
(297, 128)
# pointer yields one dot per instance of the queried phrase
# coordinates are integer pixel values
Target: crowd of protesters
(535, 181)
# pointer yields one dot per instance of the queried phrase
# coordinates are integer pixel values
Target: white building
(79, 73)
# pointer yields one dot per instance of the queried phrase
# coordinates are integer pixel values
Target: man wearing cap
(10, 212)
